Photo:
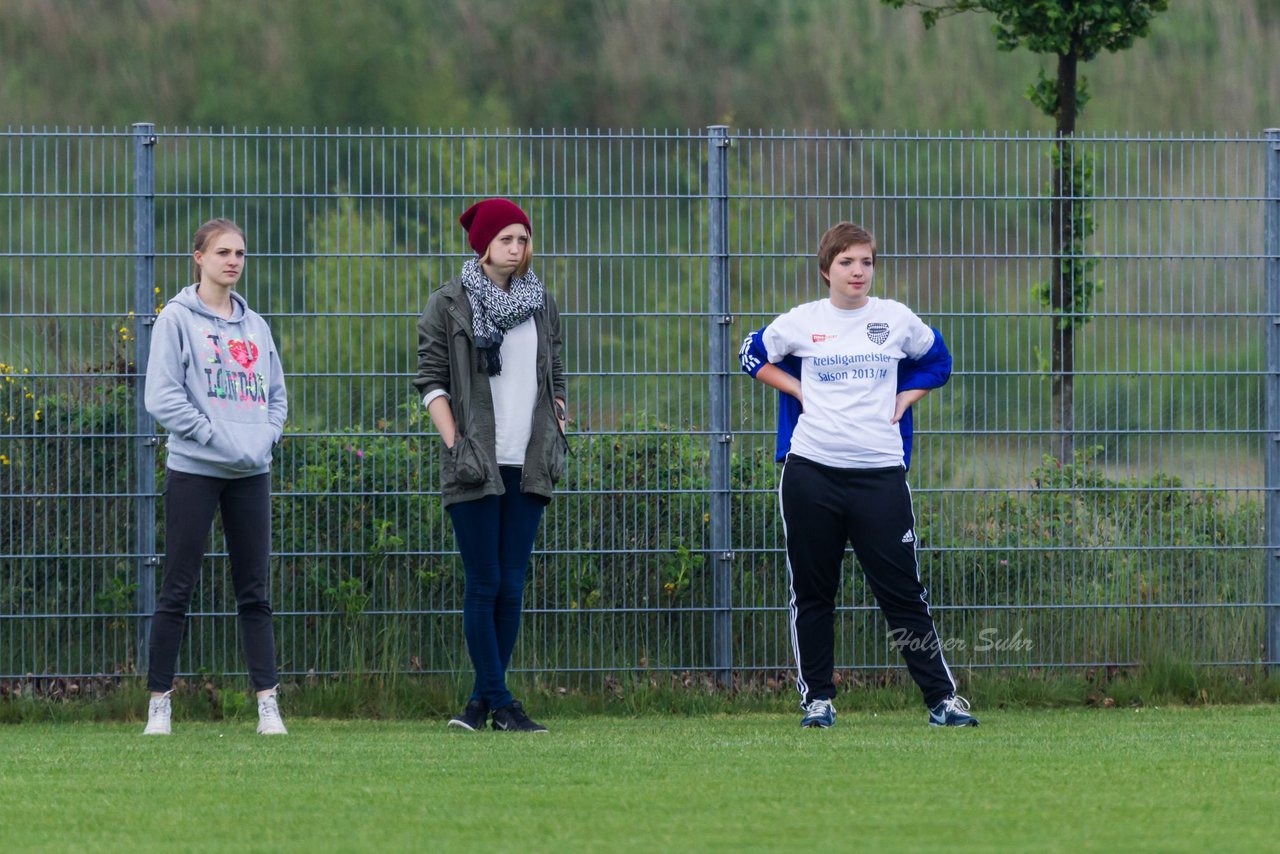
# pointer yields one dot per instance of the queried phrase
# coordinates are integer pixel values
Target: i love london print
(229, 374)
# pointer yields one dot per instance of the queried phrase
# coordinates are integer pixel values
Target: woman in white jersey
(844, 479)
(489, 372)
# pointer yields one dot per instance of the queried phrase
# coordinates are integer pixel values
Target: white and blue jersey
(851, 364)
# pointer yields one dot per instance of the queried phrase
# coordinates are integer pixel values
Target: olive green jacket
(448, 360)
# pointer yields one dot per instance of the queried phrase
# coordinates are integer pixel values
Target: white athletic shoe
(269, 720)
(160, 715)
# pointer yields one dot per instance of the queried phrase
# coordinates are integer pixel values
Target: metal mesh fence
(1128, 522)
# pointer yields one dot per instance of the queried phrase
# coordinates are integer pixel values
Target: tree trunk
(1063, 363)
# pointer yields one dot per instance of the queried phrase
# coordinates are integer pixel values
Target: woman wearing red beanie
(490, 376)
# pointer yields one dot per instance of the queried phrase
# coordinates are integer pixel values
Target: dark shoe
(472, 718)
(953, 711)
(820, 715)
(513, 719)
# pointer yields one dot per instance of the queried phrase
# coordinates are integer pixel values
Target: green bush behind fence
(1059, 570)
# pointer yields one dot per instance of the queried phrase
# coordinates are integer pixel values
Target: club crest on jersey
(878, 332)
(819, 337)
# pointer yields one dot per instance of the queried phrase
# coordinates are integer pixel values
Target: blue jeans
(495, 536)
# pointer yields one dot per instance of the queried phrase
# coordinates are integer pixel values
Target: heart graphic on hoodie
(244, 352)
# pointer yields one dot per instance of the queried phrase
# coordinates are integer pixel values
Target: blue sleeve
(932, 370)
(752, 357)
(788, 410)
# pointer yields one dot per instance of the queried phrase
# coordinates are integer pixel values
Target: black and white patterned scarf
(494, 310)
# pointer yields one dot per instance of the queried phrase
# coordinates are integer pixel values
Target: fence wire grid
(1094, 506)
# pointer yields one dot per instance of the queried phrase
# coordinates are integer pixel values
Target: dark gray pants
(824, 509)
(190, 501)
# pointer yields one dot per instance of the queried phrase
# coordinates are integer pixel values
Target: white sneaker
(269, 720)
(160, 715)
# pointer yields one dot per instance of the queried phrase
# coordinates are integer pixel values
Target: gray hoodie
(217, 386)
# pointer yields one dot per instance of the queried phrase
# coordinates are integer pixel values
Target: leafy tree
(1074, 31)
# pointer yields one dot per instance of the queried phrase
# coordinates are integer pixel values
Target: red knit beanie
(484, 220)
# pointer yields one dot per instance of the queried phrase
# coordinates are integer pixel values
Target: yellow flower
(4, 461)
(38, 411)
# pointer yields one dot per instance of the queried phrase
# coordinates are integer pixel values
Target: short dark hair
(840, 237)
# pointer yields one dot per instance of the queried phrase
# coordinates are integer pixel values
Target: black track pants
(823, 510)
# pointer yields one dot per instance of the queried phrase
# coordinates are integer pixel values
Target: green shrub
(1075, 567)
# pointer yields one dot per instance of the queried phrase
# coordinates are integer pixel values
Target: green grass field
(1161, 778)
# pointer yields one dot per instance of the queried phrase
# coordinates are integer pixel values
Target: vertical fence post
(721, 438)
(1271, 282)
(145, 440)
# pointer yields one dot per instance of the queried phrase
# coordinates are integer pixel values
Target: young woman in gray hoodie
(214, 381)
